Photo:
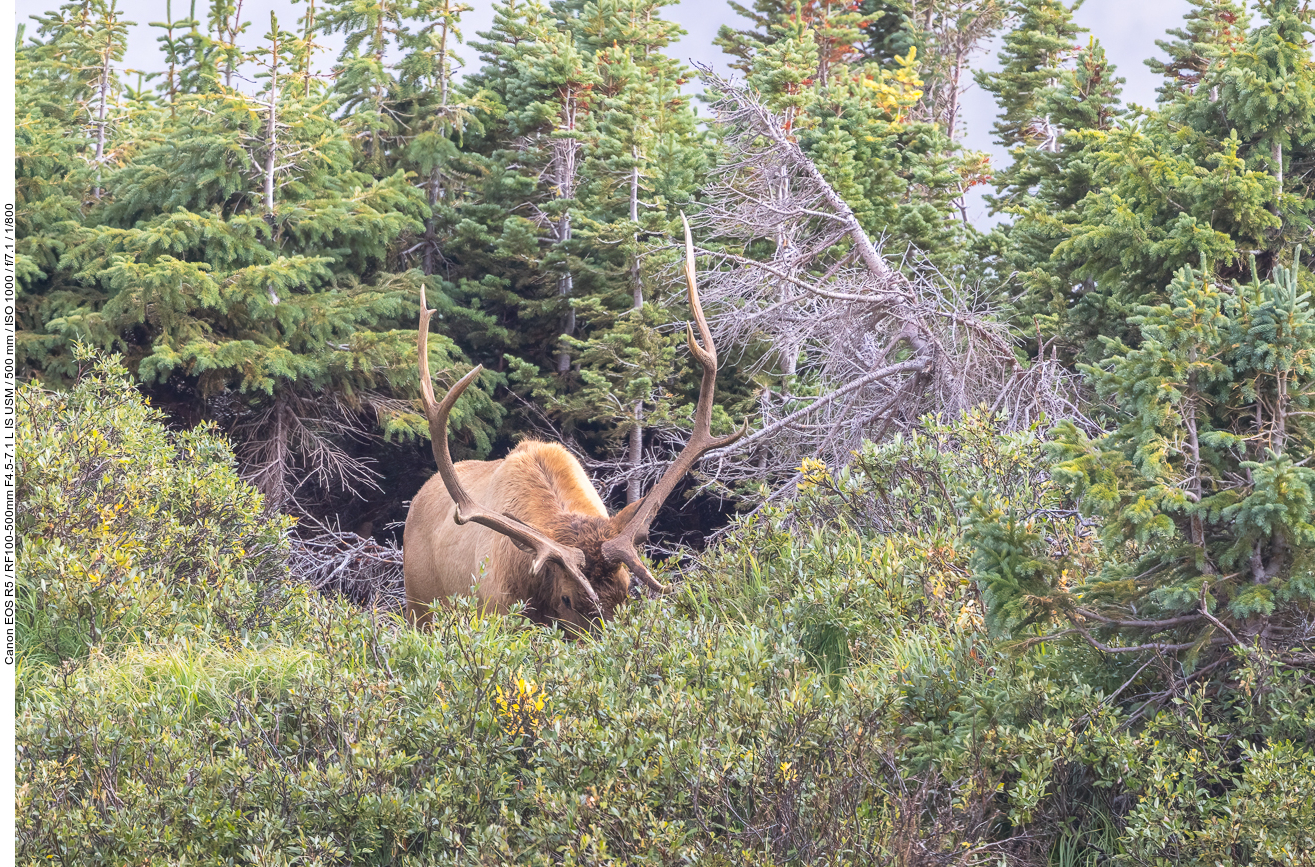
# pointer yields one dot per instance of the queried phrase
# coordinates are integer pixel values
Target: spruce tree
(642, 162)
(900, 176)
(240, 263)
(65, 75)
(839, 30)
(1203, 490)
(586, 151)
(1207, 173)
(1035, 90)
(532, 141)
(1214, 29)
(1058, 102)
(870, 120)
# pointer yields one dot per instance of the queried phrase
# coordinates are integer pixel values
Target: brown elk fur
(540, 484)
(531, 528)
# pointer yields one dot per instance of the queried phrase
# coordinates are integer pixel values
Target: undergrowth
(823, 689)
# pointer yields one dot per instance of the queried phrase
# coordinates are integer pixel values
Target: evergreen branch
(1166, 623)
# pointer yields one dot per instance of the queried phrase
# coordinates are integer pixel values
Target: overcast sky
(1127, 28)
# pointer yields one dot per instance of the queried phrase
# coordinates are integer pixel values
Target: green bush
(667, 739)
(1225, 779)
(128, 531)
(1202, 490)
(821, 690)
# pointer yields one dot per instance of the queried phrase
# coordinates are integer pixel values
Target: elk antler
(622, 547)
(523, 535)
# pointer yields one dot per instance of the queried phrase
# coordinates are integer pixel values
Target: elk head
(580, 562)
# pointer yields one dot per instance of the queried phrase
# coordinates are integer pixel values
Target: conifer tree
(945, 34)
(890, 32)
(240, 263)
(1207, 173)
(892, 157)
(838, 30)
(64, 76)
(642, 162)
(1214, 29)
(1035, 90)
(366, 80)
(178, 45)
(196, 54)
(587, 151)
(532, 141)
(1202, 491)
(223, 46)
(435, 117)
(1057, 99)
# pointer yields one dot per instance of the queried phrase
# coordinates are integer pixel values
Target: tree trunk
(271, 122)
(103, 88)
(565, 284)
(633, 490)
(435, 190)
(634, 218)
(566, 177)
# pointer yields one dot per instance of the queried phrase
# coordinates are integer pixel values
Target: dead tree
(858, 346)
(294, 449)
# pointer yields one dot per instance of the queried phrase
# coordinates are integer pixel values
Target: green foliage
(234, 247)
(1213, 172)
(1225, 781)
(585, 153)
(963, 646)
(821, 689)
(1214, 29)
(1057, 99)
(862, 121)
(1197, 488)
(130, 532)
(704, 730)
(970, 504)
(1034, 90)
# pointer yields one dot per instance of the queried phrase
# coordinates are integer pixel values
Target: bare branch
(848, 343)
(294, 448)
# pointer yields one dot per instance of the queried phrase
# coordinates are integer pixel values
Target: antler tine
(521, 534)
(622, 547)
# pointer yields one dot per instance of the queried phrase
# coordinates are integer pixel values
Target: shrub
(129, 531)
(814, 694)
(1202, 490)
(1219, 779)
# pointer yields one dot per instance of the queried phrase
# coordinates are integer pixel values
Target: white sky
(1127, 28)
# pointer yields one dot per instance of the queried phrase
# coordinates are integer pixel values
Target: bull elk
(531, 527)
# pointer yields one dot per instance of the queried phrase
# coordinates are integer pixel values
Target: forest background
(1016, 561)
(1127, 29)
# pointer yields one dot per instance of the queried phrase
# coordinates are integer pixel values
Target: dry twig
(363, 570)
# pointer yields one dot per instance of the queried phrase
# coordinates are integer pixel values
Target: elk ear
(618, 521)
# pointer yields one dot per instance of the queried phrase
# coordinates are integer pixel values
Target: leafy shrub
(665, 740)
(716, 727)
(822, 690)
(1228, 779)
(128, 530)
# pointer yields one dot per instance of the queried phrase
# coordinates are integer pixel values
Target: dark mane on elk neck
(550, 492)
